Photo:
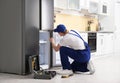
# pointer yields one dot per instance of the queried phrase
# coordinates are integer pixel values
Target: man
(72, 45)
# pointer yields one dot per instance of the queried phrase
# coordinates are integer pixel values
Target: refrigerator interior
(44, 49)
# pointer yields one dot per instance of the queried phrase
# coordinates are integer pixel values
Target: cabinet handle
(101, 41)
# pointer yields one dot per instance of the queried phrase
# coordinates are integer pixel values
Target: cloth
(72, 41)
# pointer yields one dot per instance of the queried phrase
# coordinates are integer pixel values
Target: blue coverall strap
(78, 35)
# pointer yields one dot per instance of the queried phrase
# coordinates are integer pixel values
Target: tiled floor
(107, 71)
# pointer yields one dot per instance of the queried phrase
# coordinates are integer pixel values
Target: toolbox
(37, 71)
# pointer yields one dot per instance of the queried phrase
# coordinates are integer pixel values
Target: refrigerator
(45, 32)
(19, 34)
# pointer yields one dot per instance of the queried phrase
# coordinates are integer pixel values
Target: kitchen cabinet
(84, 4)
(103, 7)
(74, 4)
(61, 4)
(105, 43)
(71, 4)
(67, 4)
(107, 20)
(93, 7)
(99, 43)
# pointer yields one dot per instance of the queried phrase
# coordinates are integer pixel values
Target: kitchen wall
(75, 22)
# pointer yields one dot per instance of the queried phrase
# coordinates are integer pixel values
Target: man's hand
(55, 47)
(51, 40)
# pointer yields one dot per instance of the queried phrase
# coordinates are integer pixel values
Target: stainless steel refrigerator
(19, 34)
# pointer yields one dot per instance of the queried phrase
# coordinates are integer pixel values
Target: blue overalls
(80, 57)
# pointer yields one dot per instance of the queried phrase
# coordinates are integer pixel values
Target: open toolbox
(37, 71)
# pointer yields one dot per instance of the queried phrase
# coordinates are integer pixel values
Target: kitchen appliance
(19, 31)
(92, 41)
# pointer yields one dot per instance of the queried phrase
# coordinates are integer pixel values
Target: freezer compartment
(44, 49)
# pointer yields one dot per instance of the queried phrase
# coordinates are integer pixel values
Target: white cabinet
(104, 43)
(93, 7)
(74, 4)
(84, 4)
(71, 4)
(99, 43)
(67, 4)
(61, 4)
(104, 7)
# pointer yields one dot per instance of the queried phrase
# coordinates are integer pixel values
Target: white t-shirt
(72, 41)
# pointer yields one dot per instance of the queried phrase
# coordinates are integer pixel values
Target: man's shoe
(84, 73)
(90, 67)
(65, 72)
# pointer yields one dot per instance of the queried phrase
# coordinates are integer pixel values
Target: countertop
(96, 31)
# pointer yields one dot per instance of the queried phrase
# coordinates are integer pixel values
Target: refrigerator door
(19, 31)
(47, 10)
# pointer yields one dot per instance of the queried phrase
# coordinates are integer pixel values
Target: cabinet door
(104, 43)
(62, 4)
(84, 4)
(104, 7)
(74, 4)
(99, 43)
(109, 43)
(104, 49)
(93, 7)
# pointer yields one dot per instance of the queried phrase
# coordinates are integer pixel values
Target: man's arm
(55, 47)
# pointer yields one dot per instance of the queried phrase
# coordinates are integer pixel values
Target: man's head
(60, 28)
